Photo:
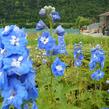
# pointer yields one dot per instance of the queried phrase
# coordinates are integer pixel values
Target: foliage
(76, 89)
(24, 12)
(82, 21)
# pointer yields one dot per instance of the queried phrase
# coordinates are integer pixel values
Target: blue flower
(77, 62)
(26, 106)
(42, 12)
(34, 106)
(61, 43)
(105, 108)
(56, 50)
(14, 42)
(28, 81)
(60, 31)
(44, 61)
(7, 30)
(17, 77)
(2, 54)
(3, 80)
(58, 67)
(45, 41)
(17, 65)
(97, 57)
(55, 16)
(97, 75)
(78, 54)
(40, 25)
(15, 94)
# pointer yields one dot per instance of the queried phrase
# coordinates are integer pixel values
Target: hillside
(26, 11)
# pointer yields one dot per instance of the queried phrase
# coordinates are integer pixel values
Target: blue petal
(40, 25)
(60, 31)
(34, 106)
(26, 106)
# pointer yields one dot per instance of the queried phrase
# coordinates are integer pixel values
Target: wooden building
(104, 19)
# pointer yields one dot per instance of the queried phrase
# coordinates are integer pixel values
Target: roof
(104, 14)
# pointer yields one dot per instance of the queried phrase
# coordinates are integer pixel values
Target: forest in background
(25, 12)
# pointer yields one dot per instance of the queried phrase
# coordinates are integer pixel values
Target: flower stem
(50, 24)
(51, 88)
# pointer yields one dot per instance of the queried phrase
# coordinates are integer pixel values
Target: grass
(62, 92)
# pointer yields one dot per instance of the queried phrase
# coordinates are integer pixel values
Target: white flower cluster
(46, 10)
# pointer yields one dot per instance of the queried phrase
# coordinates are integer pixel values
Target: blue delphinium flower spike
(40, 25)
(61, 43)
(97, 57)
(17, 77)
(97, 75)
(58, 67)
(78, 54)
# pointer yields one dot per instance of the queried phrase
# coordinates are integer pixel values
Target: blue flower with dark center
(97, 57)
(45, 41)
(97, 75)
(78, 54)
(55, 16)
(58, 67)
(41, 25)
(60, 31)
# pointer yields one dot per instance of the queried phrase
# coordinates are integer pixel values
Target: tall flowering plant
(97, 62)
(17, 76)
(61, 43)
(46, 41)
(78, 54)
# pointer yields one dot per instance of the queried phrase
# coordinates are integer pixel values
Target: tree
(82, 21)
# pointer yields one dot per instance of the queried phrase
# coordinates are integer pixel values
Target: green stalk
(77, 76)
(50, 23)
(51, 88)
